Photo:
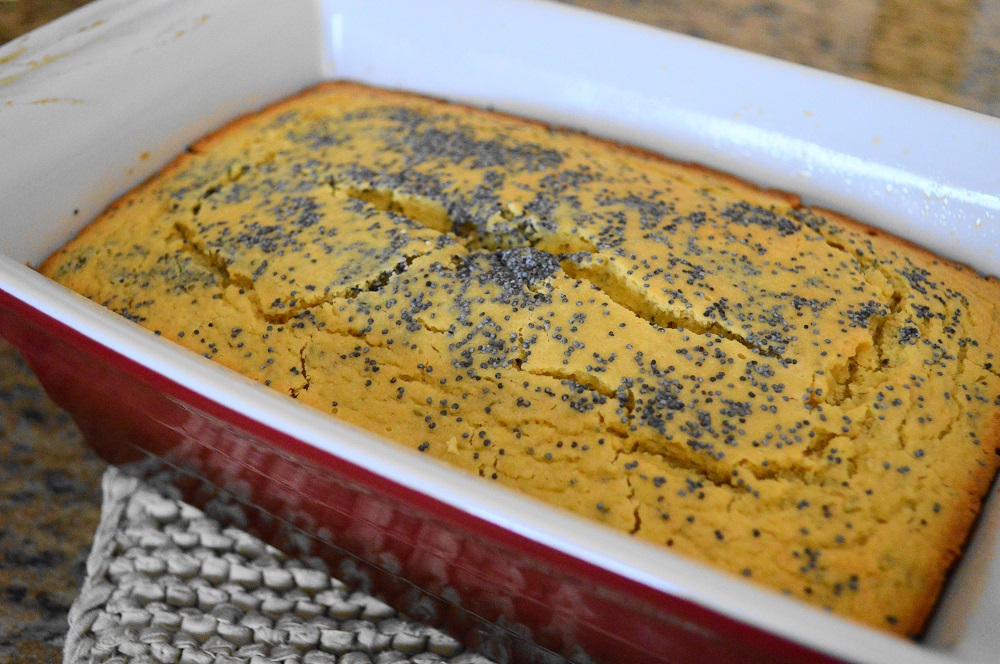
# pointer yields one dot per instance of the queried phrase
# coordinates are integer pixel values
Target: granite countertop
(50, 495)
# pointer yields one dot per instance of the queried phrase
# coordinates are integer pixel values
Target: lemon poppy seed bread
(778, 391)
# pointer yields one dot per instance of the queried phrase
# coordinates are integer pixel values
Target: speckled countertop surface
(50, 494)
(50, 500)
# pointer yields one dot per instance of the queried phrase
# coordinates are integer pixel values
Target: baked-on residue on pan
(778, 391)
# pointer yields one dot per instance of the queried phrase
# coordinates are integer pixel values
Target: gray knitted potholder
(165, 583)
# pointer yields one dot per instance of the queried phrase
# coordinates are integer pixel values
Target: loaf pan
(97, 101)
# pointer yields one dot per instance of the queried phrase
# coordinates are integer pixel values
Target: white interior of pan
(97, 101)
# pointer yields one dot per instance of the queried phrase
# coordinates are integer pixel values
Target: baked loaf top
(778, 391)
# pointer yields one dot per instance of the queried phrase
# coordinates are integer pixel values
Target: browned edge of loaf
(980, 478)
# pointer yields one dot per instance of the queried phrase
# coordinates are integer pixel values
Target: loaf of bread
(778, 391)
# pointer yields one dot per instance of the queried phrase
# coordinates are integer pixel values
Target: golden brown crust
(696, 360)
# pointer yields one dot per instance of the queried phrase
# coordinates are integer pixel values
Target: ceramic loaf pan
(94, 103)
